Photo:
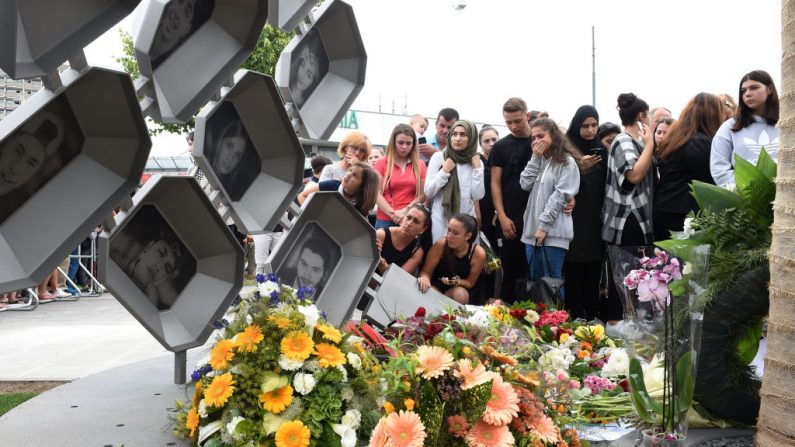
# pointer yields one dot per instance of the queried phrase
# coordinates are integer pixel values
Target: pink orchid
(652, 289)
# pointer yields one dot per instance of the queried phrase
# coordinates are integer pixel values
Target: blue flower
(201, 372)
(305, 292)
(220, 324)
(236, 301)
(275, 297)
(196, 375)
(261, 278)
(272, 277)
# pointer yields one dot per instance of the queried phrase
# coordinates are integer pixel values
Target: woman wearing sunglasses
(354, 147)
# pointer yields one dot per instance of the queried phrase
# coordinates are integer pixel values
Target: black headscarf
(573, 132)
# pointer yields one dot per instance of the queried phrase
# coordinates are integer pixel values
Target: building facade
(14, 92)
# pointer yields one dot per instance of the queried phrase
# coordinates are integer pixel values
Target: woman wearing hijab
(586, 252)
(455, 177)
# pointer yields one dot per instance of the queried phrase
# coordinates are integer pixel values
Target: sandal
(46, 297)
(3, 307)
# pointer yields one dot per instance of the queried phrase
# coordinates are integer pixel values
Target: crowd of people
(550, 199)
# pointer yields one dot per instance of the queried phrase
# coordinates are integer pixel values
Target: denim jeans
(545, 261)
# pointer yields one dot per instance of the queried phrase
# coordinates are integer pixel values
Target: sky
(424, 55)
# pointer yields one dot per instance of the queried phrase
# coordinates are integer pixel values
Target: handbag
(546, 289)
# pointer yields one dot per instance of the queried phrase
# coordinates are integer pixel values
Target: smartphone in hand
(422, 140)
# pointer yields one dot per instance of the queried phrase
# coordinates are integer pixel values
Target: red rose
(420, 312)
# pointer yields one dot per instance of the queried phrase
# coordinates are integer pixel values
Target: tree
(776, 426)
(263, 59)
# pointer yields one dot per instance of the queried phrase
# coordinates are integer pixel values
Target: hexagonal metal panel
(287, 14)
(330, 247)
(248, 150)
(323, 71)
(67, 159)
(172, 262)
(36, 36)
(188, 48)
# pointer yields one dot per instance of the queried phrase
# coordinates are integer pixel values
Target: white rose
(304, 383)
(617, 364)
(352, 418)
(354, 360)
(288, 364)
(531, 317)
(311, 315)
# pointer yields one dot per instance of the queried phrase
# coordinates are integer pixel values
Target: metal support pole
(180, 367)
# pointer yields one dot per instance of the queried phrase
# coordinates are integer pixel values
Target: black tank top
(392, 254)
(453, 266)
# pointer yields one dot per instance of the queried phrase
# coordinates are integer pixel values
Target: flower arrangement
(452, 392)
(281, 375)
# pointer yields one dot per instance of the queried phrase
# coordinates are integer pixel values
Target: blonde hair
(414, 156)
(355, 138)
(417, 117)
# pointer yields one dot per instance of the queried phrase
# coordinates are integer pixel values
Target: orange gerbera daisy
(280, 322)
(221, 354)
(498, 356)
(378, 436)
(457, 425)
(292, 434)
(472, 377)
(434, 361)
(330, 355)
(487, 435)
(197, 395)
(297, 345)
(220, 390)
(503, 404)
(546, 429)
(248, 340)
(277, 400)
(192, 421)
(330, 333)
(405, 429)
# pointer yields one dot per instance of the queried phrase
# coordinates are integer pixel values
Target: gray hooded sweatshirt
(551, 185)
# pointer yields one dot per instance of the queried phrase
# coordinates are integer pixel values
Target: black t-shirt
(512, 154)
(691, 162)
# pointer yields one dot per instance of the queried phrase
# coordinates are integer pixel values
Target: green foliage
(263, 60)
(431, 411)
(324, 404)
(474, 400)
(651, 410)
(9, 401)
(748, 345)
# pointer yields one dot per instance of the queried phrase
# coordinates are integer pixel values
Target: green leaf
(681, 248)
(748, 344)
(685, 381)
(431, 411)
(678, 287)
(714, 198)
(749, 178)
(766, 164)
(647, 408)
(474, 401)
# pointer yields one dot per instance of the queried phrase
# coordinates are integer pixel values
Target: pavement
(69, 340)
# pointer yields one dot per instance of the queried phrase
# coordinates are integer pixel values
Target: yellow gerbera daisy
(330, 355)
(221, 354)
(277, 400)
(292, 434)
(192, 421)
(197, 395)
(220, 390)
(330, 333)
(248, 340)
(280, 322)
(297, 345)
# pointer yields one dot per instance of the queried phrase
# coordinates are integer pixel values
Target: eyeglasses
(356, 149)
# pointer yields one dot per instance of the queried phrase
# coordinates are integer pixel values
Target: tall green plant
(263, 60)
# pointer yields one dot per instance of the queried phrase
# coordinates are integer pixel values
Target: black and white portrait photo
(180, 19)
(230, 152)
(153, 257)
(308, 66)
(34, 153)
(311, 260)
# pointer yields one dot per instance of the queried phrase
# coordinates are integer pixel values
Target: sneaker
(58, 293)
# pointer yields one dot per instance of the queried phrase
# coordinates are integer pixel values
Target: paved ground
(69, 340)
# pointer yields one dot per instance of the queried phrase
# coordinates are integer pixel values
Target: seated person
(359, 186)
(401, 244)
(455, 261)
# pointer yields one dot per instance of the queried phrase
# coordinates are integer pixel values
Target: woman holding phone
(586, 252)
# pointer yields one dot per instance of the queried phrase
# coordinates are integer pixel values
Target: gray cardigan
(552, 185)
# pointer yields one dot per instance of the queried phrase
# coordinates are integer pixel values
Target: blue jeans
(545, 261)
(74, 263)
(384, 224)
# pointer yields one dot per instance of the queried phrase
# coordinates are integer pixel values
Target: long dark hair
(561, 146)
(368, 191)
(470, 226)
(744, 116)
(701, 115)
